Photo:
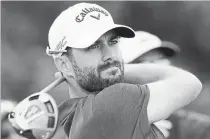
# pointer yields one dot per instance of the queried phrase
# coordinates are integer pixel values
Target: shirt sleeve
(66, 113)
(118, 110)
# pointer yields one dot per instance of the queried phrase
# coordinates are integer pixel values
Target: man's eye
(94, 46)
(114, 41)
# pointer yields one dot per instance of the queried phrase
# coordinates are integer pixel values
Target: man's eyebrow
(111, 38)
(114, 37)
(96, 42)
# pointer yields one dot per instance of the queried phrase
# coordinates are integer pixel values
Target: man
(108, 101)
(148, 48)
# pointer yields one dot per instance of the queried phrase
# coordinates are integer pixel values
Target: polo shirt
(116, 112)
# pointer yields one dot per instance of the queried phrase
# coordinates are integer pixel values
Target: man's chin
(95, 87)
(111, 79)
(94, 82)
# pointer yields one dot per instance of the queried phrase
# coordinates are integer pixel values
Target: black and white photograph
(105, 69)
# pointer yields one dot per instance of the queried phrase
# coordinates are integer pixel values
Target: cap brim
(90, 37)
(123, 31)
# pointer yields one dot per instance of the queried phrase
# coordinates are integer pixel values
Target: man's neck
(75, 91)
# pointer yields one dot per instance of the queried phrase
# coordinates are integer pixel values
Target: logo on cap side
(61, 44)
(86, 11)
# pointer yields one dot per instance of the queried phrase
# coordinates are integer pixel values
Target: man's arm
(170, 88)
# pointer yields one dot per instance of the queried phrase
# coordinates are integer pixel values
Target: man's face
(153, 56)
(100, 65)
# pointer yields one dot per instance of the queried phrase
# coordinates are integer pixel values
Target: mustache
(108, 64)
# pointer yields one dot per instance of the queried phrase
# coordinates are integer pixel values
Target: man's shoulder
(67, 108)
(125, 88)
(67, 111)
(121, 94)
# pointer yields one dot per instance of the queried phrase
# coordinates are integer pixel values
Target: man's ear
(64, 65)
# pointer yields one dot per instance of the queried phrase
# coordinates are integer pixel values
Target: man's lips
(110, 72)
(109, 65)
(109, 68)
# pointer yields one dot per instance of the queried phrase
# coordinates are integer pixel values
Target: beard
(89, 78)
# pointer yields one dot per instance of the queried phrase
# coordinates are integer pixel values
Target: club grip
(53, 85)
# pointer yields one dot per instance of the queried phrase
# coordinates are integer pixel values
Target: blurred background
(26, 69)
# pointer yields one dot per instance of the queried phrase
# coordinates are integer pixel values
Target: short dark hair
(68, 53)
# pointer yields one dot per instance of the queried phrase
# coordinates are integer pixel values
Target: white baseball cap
(80, 26)
(143, 42)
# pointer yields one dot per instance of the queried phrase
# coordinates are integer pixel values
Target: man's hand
(58, 75)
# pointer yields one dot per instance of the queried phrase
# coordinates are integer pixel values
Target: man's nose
(107, 53)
